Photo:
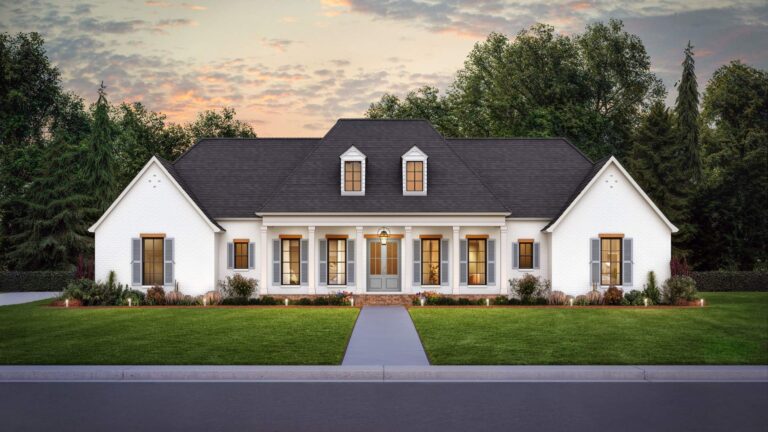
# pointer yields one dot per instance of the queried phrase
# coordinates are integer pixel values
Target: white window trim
(353, 155)
(415, 155)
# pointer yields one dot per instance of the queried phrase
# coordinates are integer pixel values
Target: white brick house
(305, 216)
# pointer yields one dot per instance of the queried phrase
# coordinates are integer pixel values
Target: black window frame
(290, 261)
(335, 261)
(241, 244)
(619, 262)
(476, 262)
(144, 261)
(425, 275)
(528, 256)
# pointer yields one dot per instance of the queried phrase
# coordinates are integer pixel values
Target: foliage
(678, 266)
(731, 280)
(27, 281)
(678, 289)
(529, 288)
(594, 297)
(213, 124)
(687, 113)
(155, 296)
(651, 290)
(613, 296)
(432, 298)
(635, 298)
(107, 293)
(99, 158)
(557, 298)
(581, 300)
(590, 88)
(212, 298)
(238, 286)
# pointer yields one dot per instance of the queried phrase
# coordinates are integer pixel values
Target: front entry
(383, 265)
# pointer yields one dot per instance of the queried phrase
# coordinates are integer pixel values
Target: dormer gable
(352, 172)
(414, 167)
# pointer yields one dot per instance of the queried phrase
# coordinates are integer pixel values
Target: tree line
(703, 161)
(62, 163)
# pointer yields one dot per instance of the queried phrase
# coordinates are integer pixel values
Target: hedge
(35, 280)
(731, 280)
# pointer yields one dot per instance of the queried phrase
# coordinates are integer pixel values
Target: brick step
(382, 299)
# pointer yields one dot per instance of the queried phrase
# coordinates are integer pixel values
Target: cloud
(163, 4)
(279, 45)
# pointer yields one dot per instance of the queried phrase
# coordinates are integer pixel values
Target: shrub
(652, 290)
(679, 267)
(234, 301)
(731, 280)
(594, 297)
(212, 298)
(137, 298)
(174, 298)
(581, 300)
(304, 301)
(500, 300)
(35, 280)
(635, 298)
(267, 300)
(238, 286)
(90, 293)
(613, 296)
(679, 289)
(530, 289)
(557, 298)
(155, 296)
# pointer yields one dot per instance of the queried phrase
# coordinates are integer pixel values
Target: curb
(386, 373)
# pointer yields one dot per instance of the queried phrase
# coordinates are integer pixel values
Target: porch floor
(384, 335)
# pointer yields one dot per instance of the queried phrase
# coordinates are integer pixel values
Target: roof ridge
(496, 197)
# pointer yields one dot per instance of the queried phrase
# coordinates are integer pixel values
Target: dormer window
(414, 172)
(352, 172)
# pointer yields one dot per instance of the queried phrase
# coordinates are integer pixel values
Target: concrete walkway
(384, 335)
(12, 298)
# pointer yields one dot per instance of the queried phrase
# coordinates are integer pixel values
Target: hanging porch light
(383, 235)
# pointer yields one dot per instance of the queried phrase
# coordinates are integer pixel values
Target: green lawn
(732, 329)
(36, 334)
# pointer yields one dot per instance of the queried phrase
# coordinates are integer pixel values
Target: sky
(292, 67)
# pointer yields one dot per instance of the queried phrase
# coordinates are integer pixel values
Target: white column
(456, 262)
(407, 264)
(503, 261)
(312, 264)
(361, 265)
(265, 252)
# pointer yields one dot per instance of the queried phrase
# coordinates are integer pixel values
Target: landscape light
(205, 301)
(129, 302)
(701, 302)
(570, 301)
(286, 302)
(645, 301)
(421, 300)
(487, 302)
(66, 302)
(352, 301)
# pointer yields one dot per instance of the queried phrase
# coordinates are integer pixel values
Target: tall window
(526, 255)
(610, 261)
(477, 261)
(152, 257)
(414, 176)
(337, 261)
(241, 254)
(291, 261)
(353, 180)
(430, 261)
(392, 264)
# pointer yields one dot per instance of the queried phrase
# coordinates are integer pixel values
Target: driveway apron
(384, 335)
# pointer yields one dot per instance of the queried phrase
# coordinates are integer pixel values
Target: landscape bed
(34, 333)
(731, 329)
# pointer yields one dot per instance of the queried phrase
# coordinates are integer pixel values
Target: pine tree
(99, 158)
(687, 111)
(54, 232)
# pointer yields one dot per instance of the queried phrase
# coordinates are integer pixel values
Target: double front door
(384, 265)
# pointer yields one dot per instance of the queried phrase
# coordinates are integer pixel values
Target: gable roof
(176, 180)
(589, 180)
(314, 184)
(531, 176)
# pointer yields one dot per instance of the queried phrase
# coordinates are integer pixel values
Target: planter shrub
(238, 286)
(679, 289)
(613, 296)
(156, 296)
(594, 297)
(28, 281)
(557, 298)
(635, 298)
(731, 280)
(651, 289)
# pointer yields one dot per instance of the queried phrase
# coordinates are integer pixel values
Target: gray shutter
(304, 268)
(323, 257)
(230, 255)
(135, 261)
(169, 254)
(445, 266)
(417, 262)
(251, 255)
(594, 260)
(515, 255)
(275, 262)
(462, 262)
(350, 262)
(628, 255)
(491, 254)
(536, 255)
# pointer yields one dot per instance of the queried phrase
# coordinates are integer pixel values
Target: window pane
(476, 264)
(152, 261)
(337, 261)
(610, 262)
(291, 262)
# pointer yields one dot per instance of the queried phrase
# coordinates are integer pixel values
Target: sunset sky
(292, 67)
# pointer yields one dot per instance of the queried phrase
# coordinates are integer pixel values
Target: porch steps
(382, 300)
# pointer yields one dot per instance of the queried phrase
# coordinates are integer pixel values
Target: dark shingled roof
(234, 177)
(239, 177)
(175, 174)
(315, 184)
(596, 167)
(531, 176)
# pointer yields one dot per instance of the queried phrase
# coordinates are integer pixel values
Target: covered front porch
(382, 255)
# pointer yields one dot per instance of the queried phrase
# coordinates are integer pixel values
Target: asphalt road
(388, 406)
